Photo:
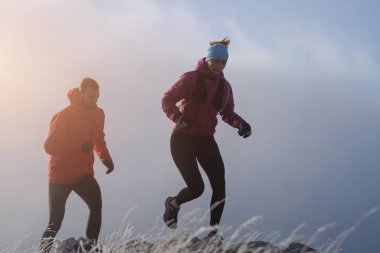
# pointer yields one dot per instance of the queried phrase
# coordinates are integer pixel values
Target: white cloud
(302, 51)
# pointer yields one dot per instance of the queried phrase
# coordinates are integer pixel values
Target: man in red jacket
(75, 133)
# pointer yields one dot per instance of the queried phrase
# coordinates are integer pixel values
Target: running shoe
(171, 213)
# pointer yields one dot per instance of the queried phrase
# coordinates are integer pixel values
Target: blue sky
(305, 74)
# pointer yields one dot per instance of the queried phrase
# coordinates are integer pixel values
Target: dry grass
(160, 239)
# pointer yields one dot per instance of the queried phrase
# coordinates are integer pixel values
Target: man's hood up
(72, 95)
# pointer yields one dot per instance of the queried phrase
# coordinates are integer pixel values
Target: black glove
(87, 147)
(109, 165)
(244, 129)
(183, 122)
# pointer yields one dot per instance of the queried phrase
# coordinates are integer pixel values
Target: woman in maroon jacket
(203, 93)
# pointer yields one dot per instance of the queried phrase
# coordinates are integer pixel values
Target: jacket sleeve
(176, 93)
(228, 114)
(57, 143)
(100, 146)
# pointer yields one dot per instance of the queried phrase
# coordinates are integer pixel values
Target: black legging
(186, 150)
(88, 189)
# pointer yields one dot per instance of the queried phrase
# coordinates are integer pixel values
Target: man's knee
(95, 206)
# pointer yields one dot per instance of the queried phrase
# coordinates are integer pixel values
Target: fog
(311, 96)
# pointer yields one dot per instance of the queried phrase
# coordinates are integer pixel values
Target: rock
(296, 247)
(138, 246)
(72, 245)
(69, 245)
(186, 244)
(195, 245)
(254, 246)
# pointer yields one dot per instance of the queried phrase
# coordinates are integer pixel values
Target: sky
(305, 75)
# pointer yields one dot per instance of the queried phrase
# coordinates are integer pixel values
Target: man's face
(89, 98)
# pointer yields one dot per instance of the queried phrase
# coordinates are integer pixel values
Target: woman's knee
(219, 190)
(197, 190)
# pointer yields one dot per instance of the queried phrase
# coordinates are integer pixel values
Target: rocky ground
(186, 245)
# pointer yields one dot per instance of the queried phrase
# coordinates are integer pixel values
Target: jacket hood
(202, 67)
(73, 96)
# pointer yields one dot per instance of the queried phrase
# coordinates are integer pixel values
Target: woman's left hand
(244, 129)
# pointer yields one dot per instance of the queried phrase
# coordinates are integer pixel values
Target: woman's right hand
(183, 122)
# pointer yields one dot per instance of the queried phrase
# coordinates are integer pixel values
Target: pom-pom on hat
(218, 49)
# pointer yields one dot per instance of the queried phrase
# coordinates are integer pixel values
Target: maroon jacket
(203, 114)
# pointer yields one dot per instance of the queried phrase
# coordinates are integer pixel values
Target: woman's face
(216, 66)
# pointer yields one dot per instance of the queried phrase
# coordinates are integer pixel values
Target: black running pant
(88, 189)
(186, 151)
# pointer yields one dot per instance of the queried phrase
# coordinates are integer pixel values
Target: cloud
(296, 50)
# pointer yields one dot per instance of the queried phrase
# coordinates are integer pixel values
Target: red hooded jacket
(69, 129)
(203, 115)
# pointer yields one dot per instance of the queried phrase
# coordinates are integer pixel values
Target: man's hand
(87, 147)
(109, 165)
(244, 129)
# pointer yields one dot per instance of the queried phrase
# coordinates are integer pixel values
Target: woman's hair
(225, 41)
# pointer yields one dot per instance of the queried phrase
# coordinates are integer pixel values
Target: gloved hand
(183, 122)
(244, 129)
(109, 165)
(87, 147)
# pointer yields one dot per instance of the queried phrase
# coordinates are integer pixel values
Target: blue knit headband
(217, 51)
